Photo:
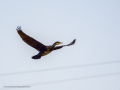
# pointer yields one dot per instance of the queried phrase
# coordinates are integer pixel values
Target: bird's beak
(61, 42)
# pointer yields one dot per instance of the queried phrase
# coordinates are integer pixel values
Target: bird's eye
(58, 43)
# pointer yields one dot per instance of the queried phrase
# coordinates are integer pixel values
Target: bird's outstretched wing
(30, 41)
(58, 47)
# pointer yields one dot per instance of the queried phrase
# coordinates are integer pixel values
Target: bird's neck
(53, 45)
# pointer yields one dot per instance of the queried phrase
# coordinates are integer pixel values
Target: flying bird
(43, 50)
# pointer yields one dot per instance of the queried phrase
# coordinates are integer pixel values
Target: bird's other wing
(30, 41)
(58, 47)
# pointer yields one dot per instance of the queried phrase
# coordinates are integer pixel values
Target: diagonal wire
(74, 79)
(69, 80)
(59, 68)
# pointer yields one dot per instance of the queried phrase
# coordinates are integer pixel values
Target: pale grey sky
(94, 23)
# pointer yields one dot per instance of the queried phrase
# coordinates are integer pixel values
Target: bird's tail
(38, 56)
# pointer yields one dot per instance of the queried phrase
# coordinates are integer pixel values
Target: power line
(59, 68)
(69, 80)
(74, 79)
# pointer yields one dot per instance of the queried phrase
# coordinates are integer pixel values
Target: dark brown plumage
(43, 50)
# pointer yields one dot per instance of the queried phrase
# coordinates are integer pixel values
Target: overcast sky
(95, 24)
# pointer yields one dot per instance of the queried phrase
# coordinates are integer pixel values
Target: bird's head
(57, 43)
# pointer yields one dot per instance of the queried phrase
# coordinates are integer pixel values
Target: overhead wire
(73, 79)
(59, 68)
(69, 80)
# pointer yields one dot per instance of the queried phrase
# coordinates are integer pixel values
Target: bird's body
(49, 49)
(43, 50)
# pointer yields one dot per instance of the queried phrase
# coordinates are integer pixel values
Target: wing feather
(31, 41)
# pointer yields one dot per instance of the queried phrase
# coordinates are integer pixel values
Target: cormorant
(43, 50)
